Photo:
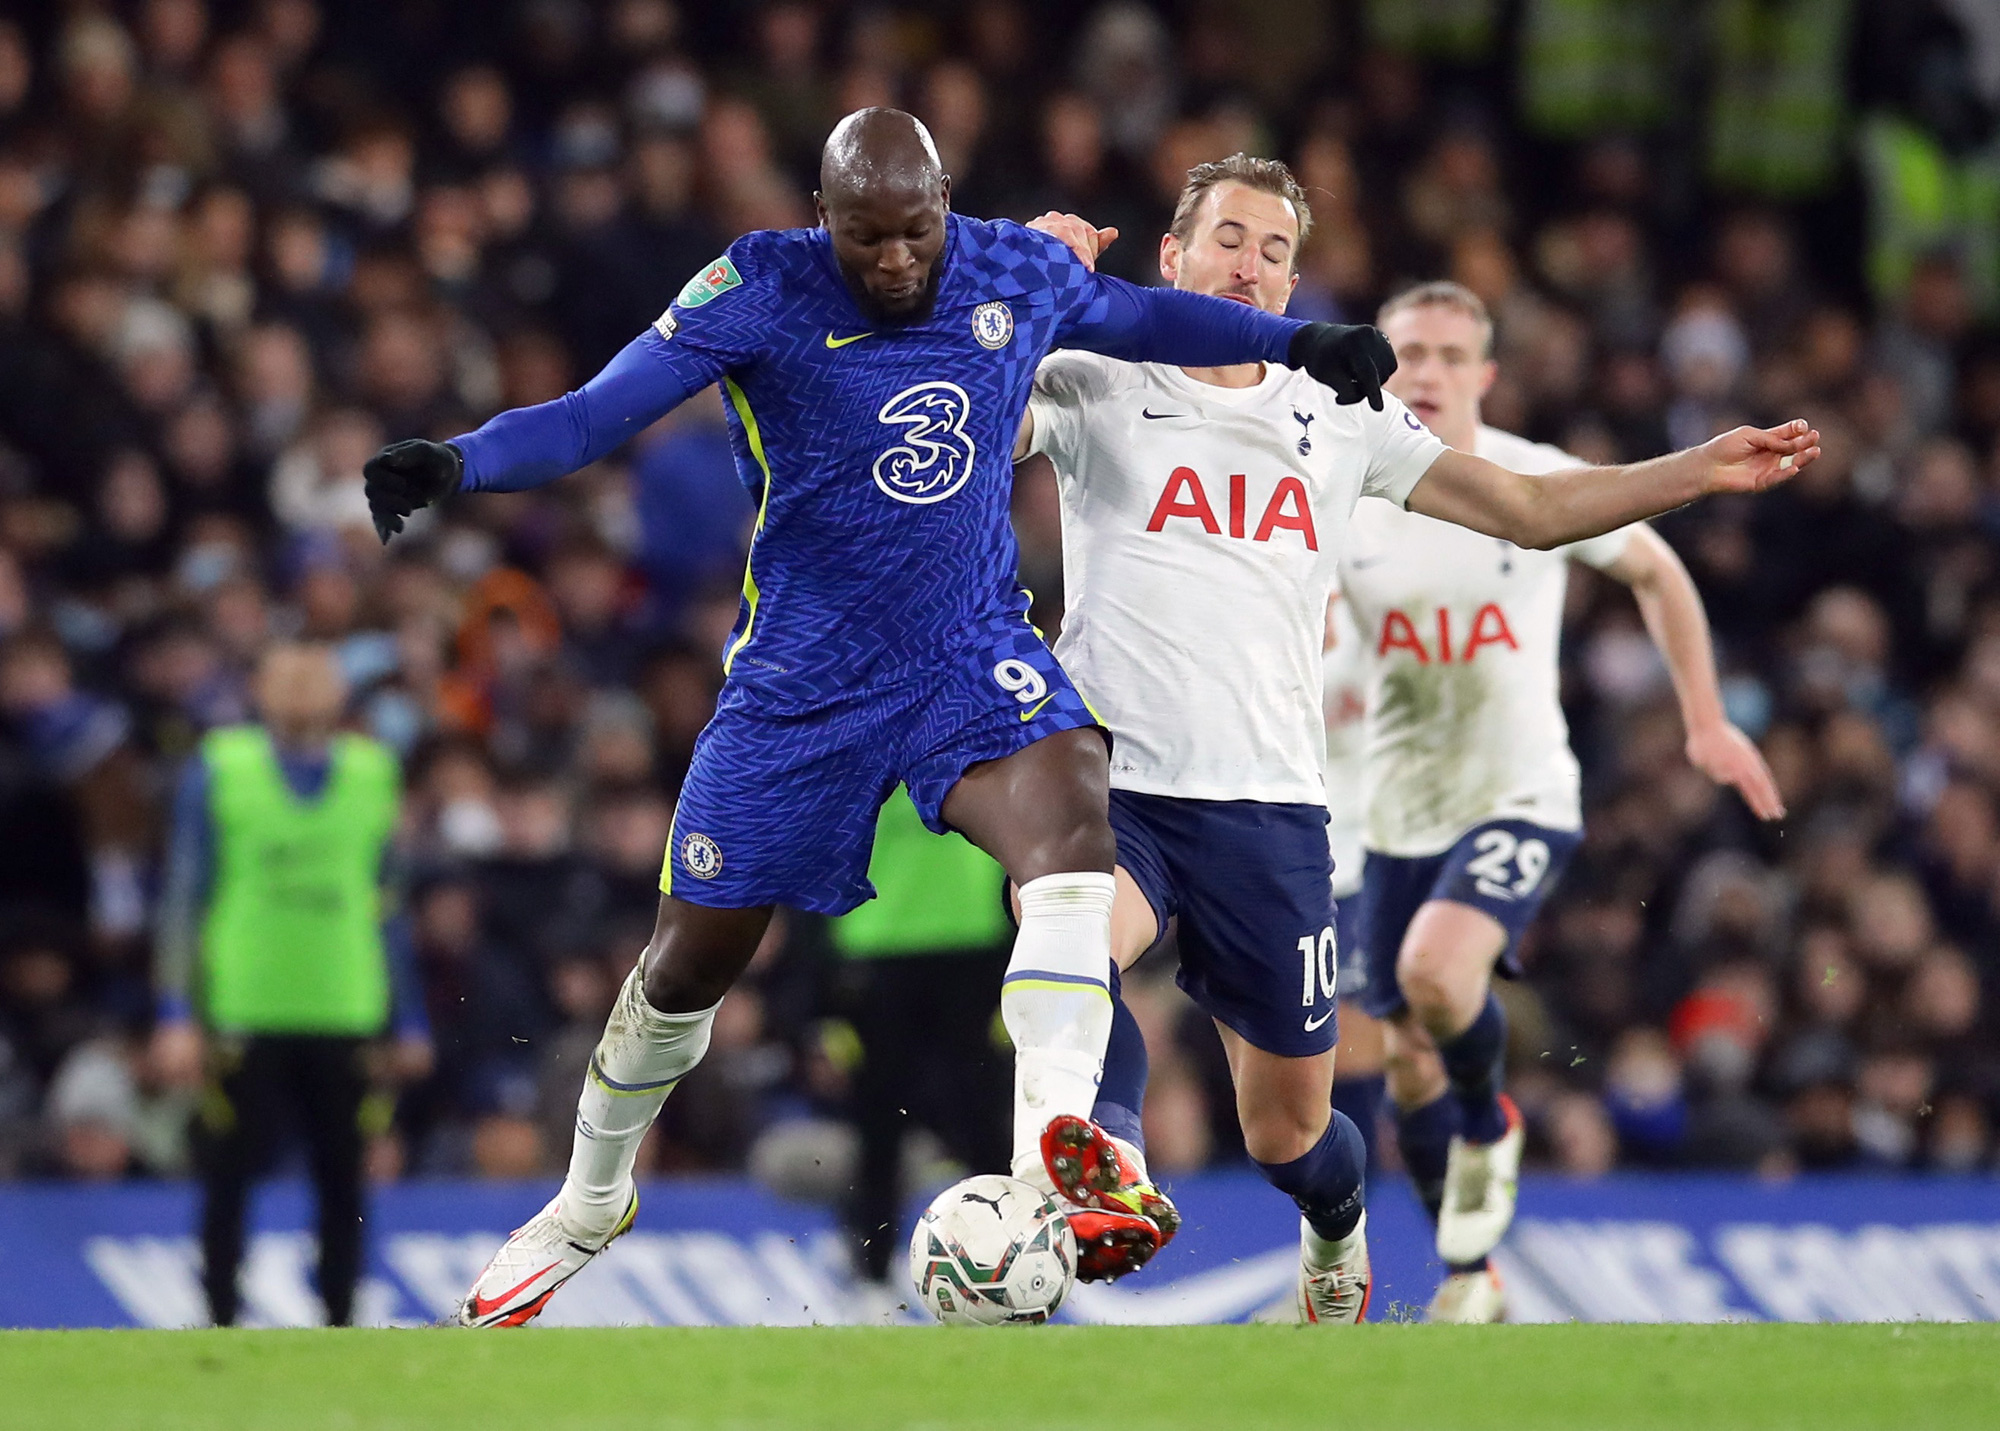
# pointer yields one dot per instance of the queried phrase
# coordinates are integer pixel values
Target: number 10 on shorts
(1321, 958)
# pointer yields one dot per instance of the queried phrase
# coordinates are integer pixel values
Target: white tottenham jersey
(1345, 689)
(1202, 532)
(1465, 722)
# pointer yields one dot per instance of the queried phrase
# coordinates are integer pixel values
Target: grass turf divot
(1408, 1378)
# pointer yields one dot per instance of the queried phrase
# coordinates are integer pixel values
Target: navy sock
(1472, 1060)
(1424, 1135)
(1121, 1095)
(1328, 1183)
(1361, 1099)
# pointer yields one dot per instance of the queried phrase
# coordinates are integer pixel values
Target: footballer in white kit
(1470, 795)
(1205, 513)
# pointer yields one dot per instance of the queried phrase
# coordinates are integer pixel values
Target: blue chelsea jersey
(881, 458)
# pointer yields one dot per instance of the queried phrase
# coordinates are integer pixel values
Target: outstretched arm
(1672, 610)
(1561, 507)
(1165, 325)
(719, 323)
(529, 446)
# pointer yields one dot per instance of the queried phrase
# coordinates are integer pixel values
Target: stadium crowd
(244, 244)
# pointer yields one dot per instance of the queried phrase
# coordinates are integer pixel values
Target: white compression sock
(1056, 1004)
(642, 1055)
(1321, 1254)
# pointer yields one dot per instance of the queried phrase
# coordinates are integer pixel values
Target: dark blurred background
(243, 244)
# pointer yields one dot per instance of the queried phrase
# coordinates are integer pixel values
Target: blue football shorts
(781, 808)
(1251, 885)
(1505, 868)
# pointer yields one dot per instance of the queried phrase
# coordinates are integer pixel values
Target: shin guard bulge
(642, 1055)
(1056, 1005)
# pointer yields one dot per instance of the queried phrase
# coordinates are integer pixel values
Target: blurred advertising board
(1628, 1248)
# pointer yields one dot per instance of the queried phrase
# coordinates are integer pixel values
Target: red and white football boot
(530, 1266)
(1115, 1202)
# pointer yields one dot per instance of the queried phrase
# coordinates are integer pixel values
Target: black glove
(1352, 359)
(407, 475)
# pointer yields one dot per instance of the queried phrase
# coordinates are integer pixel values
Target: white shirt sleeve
(1064, 383)
(1400, 450)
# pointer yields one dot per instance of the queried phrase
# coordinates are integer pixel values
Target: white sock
(1322, 1255)
(1056, 1004)
(1135, 1155)
(642, 1055)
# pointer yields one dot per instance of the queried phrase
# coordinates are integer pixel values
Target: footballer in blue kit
(875, 371)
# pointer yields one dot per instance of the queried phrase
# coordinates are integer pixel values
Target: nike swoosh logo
(1029, 713)
(833, 342)
(487, 1306)
(1156, 416)
(1312, 1024)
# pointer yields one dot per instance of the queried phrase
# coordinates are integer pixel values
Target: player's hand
(1750, 459)
(406, 476)
(1085, 239)
(1729, 757)
(175, 1055)
(1352, 359)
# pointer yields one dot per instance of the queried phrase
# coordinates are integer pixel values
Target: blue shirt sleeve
(716, 324)
(1165, 325)
(1107, 315)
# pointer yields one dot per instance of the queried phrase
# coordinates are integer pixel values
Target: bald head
(883, 196)
(876, 149)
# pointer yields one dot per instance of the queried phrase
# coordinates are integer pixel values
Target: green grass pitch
(1409, 1378)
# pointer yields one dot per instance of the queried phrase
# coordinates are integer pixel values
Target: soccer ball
(991, 1251)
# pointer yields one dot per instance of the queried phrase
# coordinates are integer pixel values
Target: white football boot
(1470, 1299)
(536, 1260)
(1336, 1295)
(1480, 1183)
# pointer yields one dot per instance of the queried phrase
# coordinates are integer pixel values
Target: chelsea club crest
(702, 856)
(993, 325)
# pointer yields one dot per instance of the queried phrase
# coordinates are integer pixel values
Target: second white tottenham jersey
(1202, 530)
(1465, 721)
(1345, 689)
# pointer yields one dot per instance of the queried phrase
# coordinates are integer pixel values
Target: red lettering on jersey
(1499, 635)
(1398, 632)
(1196, 506)
(1236, 504)
(1444, 633)
(1289, 489)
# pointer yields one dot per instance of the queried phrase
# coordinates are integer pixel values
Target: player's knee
(1432, 981)
(1421, 981)
(1081, 842)
(1282, 1131)
(673, 983)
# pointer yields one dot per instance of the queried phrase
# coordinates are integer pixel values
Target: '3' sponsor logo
(933, 457)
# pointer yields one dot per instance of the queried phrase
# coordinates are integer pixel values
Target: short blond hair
(1443, 293)
(1270, 176)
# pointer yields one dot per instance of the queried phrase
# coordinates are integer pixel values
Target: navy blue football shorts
(781, 809)
(1505, 868)
(1251, 885)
